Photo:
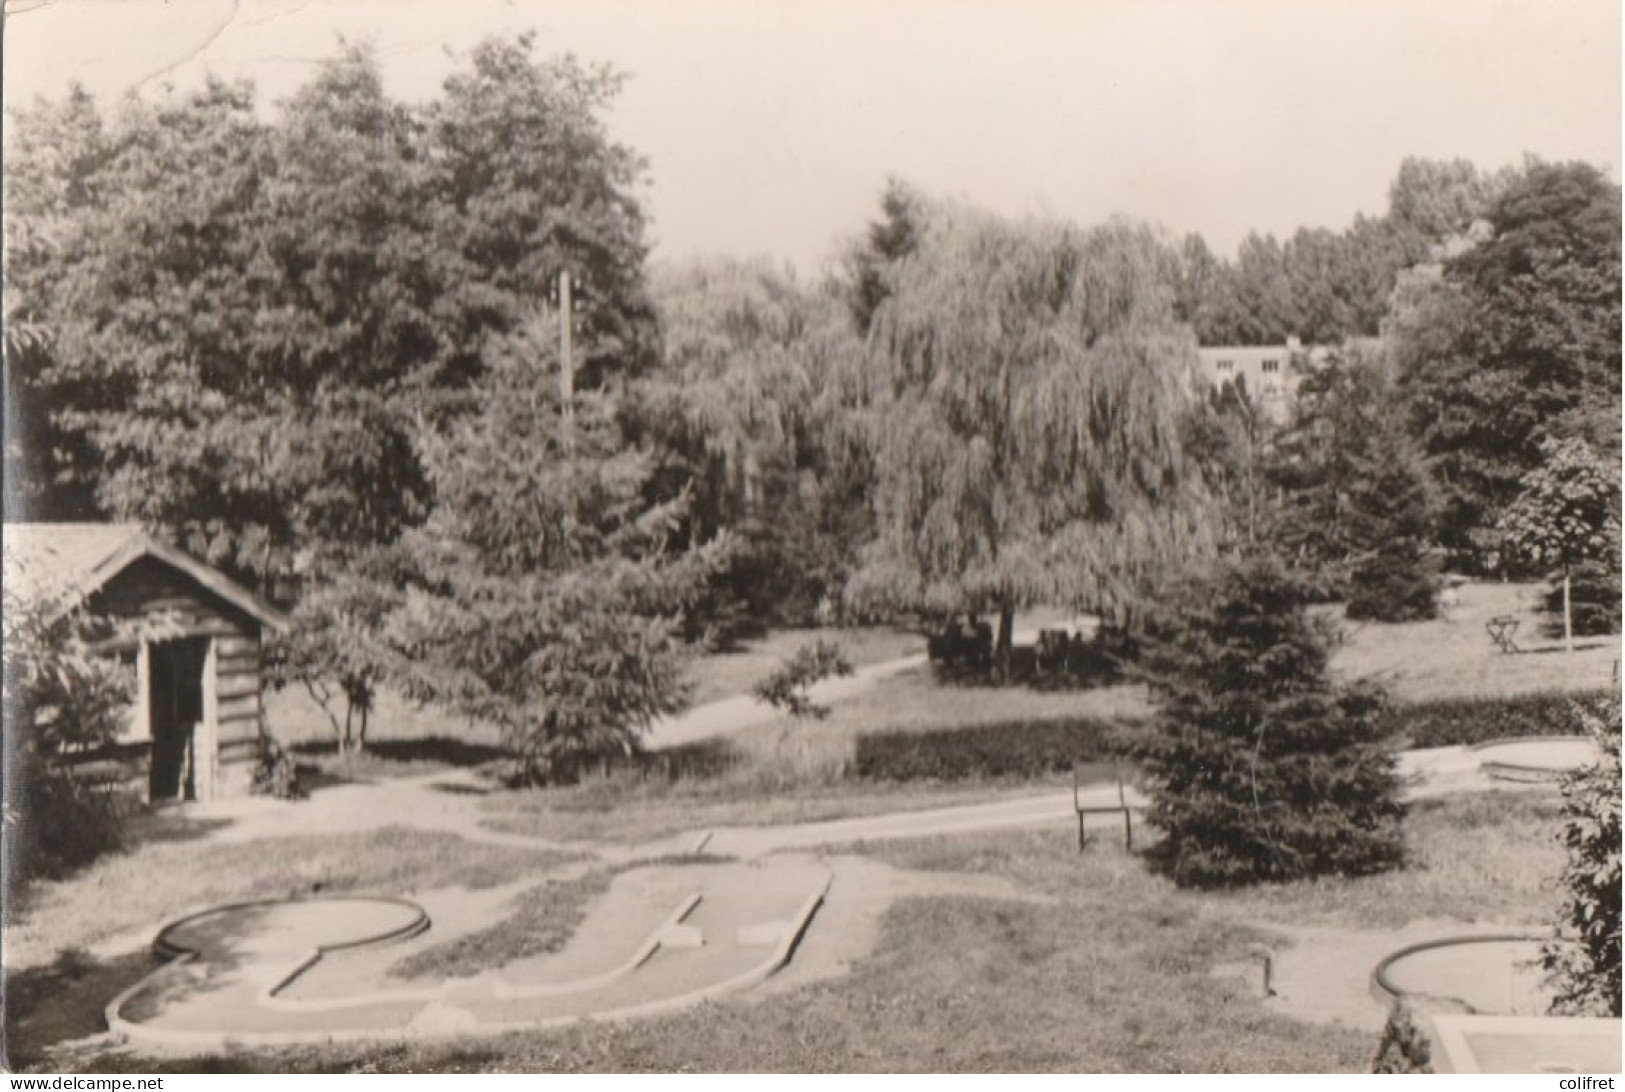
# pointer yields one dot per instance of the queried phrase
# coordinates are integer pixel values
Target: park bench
(1501, 628)
(957, 647)
(1079, 774)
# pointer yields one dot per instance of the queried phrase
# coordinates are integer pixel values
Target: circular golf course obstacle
(326, 923)
(1534, 759)
(225, 969)
(1495, 973)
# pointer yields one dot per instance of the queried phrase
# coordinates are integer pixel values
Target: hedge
(1014, 749)
(1036, 748)
(1406, 1046)
(1451, 722)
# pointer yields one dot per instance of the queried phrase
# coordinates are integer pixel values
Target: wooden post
(567, 378)
(1568, 614)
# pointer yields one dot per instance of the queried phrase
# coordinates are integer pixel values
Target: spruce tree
(1391, 520)
(1356, 503)
(1259, 768)
(544, 594)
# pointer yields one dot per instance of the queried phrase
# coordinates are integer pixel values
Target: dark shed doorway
(175, 688)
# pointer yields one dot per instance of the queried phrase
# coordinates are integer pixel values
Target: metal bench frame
(1501, 629)
(1085, 810)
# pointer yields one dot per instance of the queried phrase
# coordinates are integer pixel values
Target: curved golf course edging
(417, 923)
(193, 1040)
(1385, 990)
(270, 997)
(179, 955)
(1505, 769)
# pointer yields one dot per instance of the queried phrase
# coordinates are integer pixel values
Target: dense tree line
(1322, 286)
(314, 351)
(320, 347)
(1513, 338)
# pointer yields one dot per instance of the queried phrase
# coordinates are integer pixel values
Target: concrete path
(730, 715)
(449, 801)
(735, 714)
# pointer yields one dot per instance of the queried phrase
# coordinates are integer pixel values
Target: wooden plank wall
(149, 588)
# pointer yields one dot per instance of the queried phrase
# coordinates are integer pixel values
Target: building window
(1226, 365)
(1272, 365)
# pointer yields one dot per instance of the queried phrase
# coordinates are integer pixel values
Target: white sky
(771, 125)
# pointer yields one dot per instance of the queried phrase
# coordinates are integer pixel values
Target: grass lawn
(1416, 661)
(958, 985)
(403, 739)
(785, 751)
(298, 721)
(1106, 970)
(160, 880)
(790, 771)
(728, 673)
(1489, 857)
(542, 920)
(1454, 657)
(1476, 857)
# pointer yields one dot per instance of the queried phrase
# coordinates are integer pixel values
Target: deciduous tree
(61, 696)
(1518, 340)
(1567, 513)
(1582, 958)
(241, 327)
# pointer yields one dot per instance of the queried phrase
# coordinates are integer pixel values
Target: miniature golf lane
(661, 938)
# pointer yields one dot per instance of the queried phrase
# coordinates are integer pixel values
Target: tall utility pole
(567, 368)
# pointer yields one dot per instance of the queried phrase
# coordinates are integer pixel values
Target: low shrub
(788, 688)
(65, 704)
(1405, 1046)
(1018, 749)
(1582, 959)
(1451, 722)
(275, 773)
(701, 760)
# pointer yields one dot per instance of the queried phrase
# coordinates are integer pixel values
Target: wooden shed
(196, 717)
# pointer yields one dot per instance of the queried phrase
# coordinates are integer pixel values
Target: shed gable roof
(69, 562)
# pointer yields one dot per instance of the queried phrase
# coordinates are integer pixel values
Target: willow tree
(748, 421)
(1030, 395)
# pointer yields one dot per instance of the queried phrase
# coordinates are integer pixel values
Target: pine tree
(1391, 523)
(1356, 503)
(544, 593)
(1259, 769)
